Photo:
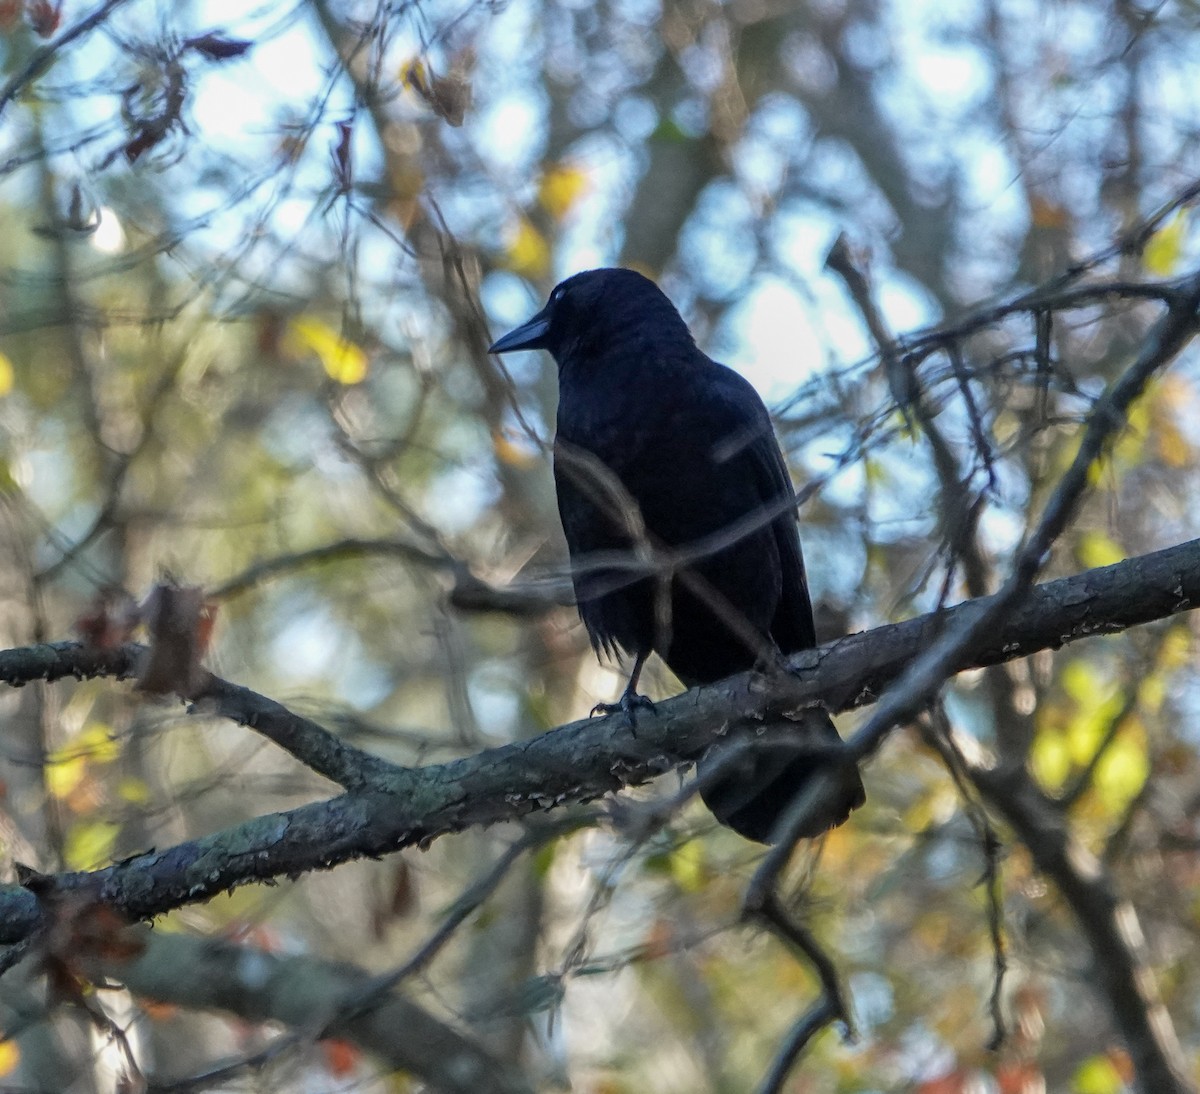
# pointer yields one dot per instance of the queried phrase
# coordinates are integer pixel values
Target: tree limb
(320, 998)
(400, 807)
(1120, 963)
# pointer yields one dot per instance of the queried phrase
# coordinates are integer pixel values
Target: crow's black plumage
(658, 446)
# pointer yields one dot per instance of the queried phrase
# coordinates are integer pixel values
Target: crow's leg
(630, 702)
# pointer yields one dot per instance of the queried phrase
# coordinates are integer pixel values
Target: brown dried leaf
(180, 624)
(109, 621)
(449, 96)
(343, 165)
(218, 48)
(10, 12)
(81, 928)
(45, 17)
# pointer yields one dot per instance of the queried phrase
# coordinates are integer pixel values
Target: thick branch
(585, 759)
(1120, 965)
(320, 998)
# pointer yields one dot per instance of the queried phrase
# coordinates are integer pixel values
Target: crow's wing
(757, 452)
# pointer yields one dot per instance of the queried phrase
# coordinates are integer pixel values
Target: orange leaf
(10, 12)
(512, 453)
(953, 1082)
(158, 1012)
(80, 927)
(1020, 1077)
(341, 1057)
(1047, 214)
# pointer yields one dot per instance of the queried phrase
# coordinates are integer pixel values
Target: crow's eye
(557, 295)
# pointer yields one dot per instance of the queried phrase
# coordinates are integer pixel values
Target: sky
(788, 323)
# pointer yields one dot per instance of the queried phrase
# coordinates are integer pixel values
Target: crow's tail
(758, 779)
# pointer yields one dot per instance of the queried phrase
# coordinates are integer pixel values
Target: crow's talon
(629, 704)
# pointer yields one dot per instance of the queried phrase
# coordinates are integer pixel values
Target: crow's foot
(629, 704)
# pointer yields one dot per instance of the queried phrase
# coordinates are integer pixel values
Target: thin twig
(830, 1008)
(937, 732)
(41, 58)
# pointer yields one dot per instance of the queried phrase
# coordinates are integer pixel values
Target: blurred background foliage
(252, 258)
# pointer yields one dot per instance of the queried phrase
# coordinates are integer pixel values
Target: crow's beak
(529, 335)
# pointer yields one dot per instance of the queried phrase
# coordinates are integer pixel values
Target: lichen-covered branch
(400, 807)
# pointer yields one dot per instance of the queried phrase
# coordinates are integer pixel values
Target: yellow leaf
(935, 806)
(1087, 729)
(1127, 451)
(89, 844)
(449, 96)
(97, 743)
(412, 72)
(64, 775)
(561, 187)
(688, 866)
(1097, 1075)
(400, 1083)
(1096, 549)
(7, 376)
(1151, 691)
(344, 361)
(406, 180)
(1175, 651)
(10, 1056)
(133, 790)
(1082, 681)
(1123, 769)
(1005, 427)
(1049, 759)
(1162, 253)
(527, 252)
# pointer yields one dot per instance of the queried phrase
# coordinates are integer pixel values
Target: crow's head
(597, 311)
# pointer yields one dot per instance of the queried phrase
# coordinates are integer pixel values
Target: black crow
(660, 450)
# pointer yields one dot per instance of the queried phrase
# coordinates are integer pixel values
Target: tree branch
(400, 807)
(1120, 962)
(315, 997)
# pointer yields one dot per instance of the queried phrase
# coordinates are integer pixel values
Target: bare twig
(831, 1007)
(821, 1014)
(959, 517)
(1121, 969)
(42, 58)
(477, 894)
(922, 679)
(467, 591)
(938, 733)
(209, 972)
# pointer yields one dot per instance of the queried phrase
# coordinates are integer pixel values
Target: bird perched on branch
(680, 520)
